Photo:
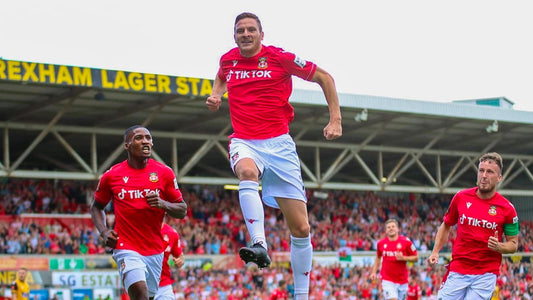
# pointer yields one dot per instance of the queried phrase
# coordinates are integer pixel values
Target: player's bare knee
(300, 231)
(138, 291)
(248, 174)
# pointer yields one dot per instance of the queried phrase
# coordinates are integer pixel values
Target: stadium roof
(67, 122)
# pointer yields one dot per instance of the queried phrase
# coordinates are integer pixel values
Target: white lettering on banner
(107, 279)
(478, 223)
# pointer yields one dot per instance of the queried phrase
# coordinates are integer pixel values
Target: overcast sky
(421, 50)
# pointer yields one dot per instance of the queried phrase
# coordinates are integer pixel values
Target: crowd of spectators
(214, 225)
(333, 282)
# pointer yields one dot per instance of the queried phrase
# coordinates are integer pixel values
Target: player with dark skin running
(143, 191)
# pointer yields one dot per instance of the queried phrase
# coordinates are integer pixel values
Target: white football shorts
(459, 286)
(165, 293)
(134, 267)
(278, 164)
(393, 290)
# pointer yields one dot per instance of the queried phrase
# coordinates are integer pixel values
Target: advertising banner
(88, 279)
(30, 263)
(59, 294)
(82, 294)
(39, 294)
(107, 79)
(33, 278)
(103, 294)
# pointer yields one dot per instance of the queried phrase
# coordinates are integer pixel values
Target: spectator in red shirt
(281, 292)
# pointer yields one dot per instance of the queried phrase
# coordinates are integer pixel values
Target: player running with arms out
(142, 191)
(395, 251)
(482, 216)
(173, 246)
(258, 80)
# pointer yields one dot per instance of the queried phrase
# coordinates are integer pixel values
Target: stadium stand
(214, 226)
(404, 160)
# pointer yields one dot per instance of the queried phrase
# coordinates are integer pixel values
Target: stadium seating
(51, 217)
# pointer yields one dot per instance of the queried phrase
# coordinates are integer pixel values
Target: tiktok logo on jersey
(244, 74)
(390, 253)
(136, 194)
(477, 223)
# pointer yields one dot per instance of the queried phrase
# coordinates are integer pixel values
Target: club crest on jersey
(125, 178)
(262, 63)
(468, 204)
(153, 177)
(235, 62)
(385, 246)
(492, 210)
(399, 246)
(299, 62)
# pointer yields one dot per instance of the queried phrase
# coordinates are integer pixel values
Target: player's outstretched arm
(333, 129)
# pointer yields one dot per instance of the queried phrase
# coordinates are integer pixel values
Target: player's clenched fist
(213, 103)
(154, 200)
(109, 238)
(433, 259)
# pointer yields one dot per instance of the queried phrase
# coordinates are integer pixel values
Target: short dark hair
(245, 15)
(495, 157)
(130, 130)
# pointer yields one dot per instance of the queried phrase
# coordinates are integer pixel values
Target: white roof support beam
(311, 168)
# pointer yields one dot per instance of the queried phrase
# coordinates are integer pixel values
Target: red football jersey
(259, 88)
(414, 292)
(391, 269)
(173, 246)
(278, 294)
(477, 219)
(138, 225)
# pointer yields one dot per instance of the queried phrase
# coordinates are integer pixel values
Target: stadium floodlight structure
(492, 128)
(362, 116)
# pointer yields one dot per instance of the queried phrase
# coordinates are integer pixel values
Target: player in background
(20, 289)
(173, 246)
(258, 80)
(483, 216)
(414, 292)
(280, 293)
(393, 253)
(143, 191)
